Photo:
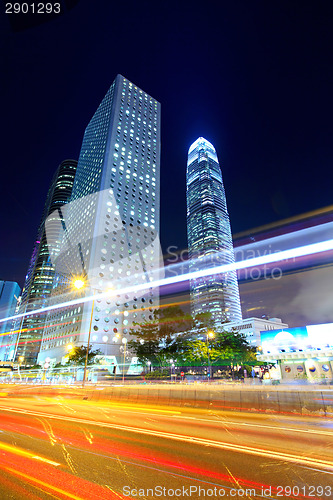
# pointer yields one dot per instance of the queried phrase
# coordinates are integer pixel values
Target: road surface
(70, 449)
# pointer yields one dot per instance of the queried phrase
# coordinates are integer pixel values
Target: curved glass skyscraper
(209, 236)
(40, 276)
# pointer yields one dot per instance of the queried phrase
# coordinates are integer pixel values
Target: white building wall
(112, 225)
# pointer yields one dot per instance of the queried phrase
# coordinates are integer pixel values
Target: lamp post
(21, 359)
(172, 375)
(88, 345)
(17, 309)
(79, 284)
(209, 371)
(124, 341)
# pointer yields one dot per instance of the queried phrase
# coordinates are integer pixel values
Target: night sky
(253, 77)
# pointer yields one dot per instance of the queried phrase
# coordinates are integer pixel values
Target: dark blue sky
(254, 78)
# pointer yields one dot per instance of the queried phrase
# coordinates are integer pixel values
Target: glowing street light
(78, 283)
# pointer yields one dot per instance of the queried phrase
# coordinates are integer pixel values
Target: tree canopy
(156, 340)
(174, 335)
(78, 355)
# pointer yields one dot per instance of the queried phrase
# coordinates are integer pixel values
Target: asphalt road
(57, 448)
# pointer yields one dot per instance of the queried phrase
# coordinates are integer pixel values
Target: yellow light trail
(42, 483)
(26, 454)
(249, 450)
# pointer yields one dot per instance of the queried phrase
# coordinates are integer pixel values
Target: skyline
(265, 106)
(118, 389)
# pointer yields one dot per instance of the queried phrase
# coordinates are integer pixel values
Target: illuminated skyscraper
(9, 294)
(209, 236)
(39, 279)
(110, 226)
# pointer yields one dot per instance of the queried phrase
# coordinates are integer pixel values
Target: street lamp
(124, 341)
(210, 335)
(88, 344)
(172, 366)
(79, 283)
(20, 359)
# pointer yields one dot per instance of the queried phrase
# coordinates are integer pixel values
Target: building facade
(209, 236)
(252, 328)
(111, 230)
(39, 280)
(9, 295)
(303, 354)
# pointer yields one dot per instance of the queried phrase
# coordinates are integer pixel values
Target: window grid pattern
(209, 235)
(120, 157)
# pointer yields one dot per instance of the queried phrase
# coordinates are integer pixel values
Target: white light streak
(322, 246)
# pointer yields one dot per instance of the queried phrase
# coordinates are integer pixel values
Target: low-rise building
(251, 328)
(302, 353)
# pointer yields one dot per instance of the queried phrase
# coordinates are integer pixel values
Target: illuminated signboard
(312, 337)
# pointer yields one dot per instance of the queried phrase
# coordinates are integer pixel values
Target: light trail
(319, 464)
(24, 330)
(261, 426)
(27, 454)
(313, 248)
(48, 486)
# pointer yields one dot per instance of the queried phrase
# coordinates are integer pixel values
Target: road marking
(266, 453)
(27, 454)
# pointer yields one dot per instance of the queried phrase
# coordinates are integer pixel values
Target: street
(56, 448)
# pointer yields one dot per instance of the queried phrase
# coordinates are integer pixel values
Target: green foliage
(158, 374)
(156, 340)
(78, 355)
(173, 335)
(232, 345)
(203, 323)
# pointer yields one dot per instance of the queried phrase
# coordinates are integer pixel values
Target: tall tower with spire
(209, 236)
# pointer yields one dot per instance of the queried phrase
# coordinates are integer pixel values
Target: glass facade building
(111, 226)
(39, 280)
(209, 236)
(9, 295)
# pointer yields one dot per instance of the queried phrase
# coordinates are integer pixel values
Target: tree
(202, 323)
(232, 346)
(78, 355)
(192, 348)
(156, 340)
(196, 352)
(226, 346)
